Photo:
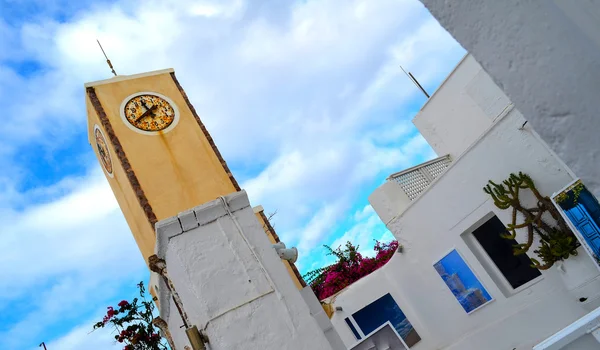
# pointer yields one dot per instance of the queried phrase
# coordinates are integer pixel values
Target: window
(379, 312)
(352, 328)
(462, 282)
(516, 269)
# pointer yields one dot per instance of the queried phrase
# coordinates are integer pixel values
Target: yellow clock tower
(156, 153)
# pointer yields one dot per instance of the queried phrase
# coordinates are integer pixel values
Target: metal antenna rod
(107, 60)
(415, 81)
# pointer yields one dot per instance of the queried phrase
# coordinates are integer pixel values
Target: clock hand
(149, 110)
(144, 103)
(154, 111)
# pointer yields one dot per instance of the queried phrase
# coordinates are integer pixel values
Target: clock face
(103, 152)
(149, 112)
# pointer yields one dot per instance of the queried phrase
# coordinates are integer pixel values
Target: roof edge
(128, 77)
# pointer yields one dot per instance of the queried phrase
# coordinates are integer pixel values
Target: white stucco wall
(455, 205)
(545, 55)
(585, 342)
(441, 219)
(461, 109)
(583, 334)
(318, 313)
(388, 200)
(231, 281)
(385, 338)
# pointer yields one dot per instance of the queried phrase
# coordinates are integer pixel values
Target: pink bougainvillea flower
(351, 267)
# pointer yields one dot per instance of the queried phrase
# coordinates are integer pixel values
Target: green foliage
(348, 256)
(568, 198)
(557, 246)
(557, 242)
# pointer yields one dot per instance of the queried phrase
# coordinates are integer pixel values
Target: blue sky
(305, 100)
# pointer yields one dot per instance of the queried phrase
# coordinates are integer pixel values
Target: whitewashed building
(226, 283)
(443, 219)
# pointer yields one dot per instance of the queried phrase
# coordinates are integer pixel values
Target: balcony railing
(416, 179)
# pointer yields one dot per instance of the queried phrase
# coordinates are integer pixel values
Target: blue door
(585, 216)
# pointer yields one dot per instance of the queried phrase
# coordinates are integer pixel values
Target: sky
(305, 100)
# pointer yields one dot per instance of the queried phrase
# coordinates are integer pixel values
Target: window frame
(351, 323)
(366, 336)
(466, 261)
(488, 263)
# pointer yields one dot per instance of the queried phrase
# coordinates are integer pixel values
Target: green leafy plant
(568, 198)
(133, 323)
(557, 241)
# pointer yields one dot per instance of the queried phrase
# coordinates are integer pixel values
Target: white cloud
(216, 8)
(280, 75)
(67, 257)
(323, 185)
(311, 94)
(320, 225)
(81, 337)
(367, 228)
(305, 100)
(315, 72)
(364, 213)
(82, 230)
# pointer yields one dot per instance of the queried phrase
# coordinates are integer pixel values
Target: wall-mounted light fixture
(290, 255)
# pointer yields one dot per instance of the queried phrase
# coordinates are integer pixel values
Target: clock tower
(156, 153)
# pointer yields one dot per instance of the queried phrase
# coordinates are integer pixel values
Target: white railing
(416, 179)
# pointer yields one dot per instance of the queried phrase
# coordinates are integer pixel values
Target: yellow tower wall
(141, 229)
(176, 170)
(158, 176)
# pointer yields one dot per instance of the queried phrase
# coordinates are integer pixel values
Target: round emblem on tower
(103, 151)
(149, 113)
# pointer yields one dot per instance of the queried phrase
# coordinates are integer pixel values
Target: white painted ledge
(588, 324)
